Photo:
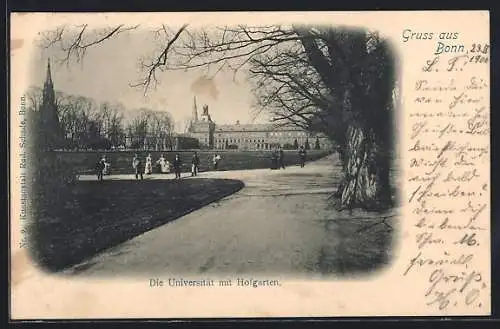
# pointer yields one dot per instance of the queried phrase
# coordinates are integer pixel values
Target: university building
(249, 136)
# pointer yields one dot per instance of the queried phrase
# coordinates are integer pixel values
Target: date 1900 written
(478, 59)
(478, 53)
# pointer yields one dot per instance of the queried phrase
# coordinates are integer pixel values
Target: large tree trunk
(366, 173)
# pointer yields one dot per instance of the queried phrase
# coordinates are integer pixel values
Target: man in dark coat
(194, 164)
(302, 156)
(177, 166)
(281, 158)
(138, 165)
(274, 159)
(100, 169)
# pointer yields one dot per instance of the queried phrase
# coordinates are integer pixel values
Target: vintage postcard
(249, 164)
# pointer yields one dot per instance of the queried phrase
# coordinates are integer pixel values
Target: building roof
(254, 127)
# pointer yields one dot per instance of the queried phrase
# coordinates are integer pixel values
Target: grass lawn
(94, 216)
(358, 244)
(121, 161)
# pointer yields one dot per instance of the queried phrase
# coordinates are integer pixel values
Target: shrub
(51, 177)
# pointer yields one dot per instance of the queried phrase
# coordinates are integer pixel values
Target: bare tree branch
(160, 61)
(74, 41)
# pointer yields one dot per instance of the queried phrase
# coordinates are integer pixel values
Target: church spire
(48, 79)
(49, 124)
(195, 110)
(48, 88)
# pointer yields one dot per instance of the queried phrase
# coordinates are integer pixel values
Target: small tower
(205, 117)
(49, 120)
(48, 87)
(195, 111)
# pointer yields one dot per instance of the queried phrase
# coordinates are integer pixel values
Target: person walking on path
(100, 166)
(302, 156)
(138, 167)
(107, 165)
(163, 164)
(281, 158)
(177, 166)
(194, 164)
(274, 158)
(216, 160)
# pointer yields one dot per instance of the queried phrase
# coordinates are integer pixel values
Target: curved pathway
(280, 223)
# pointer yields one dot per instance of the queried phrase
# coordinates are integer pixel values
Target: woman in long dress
(164, 165)
(216, 159)
(149, 165)
(107, 166)
(168, 167)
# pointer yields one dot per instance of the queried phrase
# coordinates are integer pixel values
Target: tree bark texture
(366, 173)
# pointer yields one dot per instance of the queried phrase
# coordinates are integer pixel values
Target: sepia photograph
(215, 149)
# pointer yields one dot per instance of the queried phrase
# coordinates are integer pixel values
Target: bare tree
(169, 131)
(74, 41)
(164, 129)
(150, 128)
(78, 115)
(141, 128)
(111, 117)
(66, 110)
(185, 124)
(34, 98)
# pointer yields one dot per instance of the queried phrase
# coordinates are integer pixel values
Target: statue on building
(205, 115)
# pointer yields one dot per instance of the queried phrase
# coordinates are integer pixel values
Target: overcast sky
(108, 69)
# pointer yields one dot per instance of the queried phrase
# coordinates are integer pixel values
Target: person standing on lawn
(100, 166)
(138, 167)
(107, 165)
(163, 165)
(194, 164)
(216, 160)
(177, 166)
(149, 165)
(281, 158)
(274, 158)
(302, 156)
